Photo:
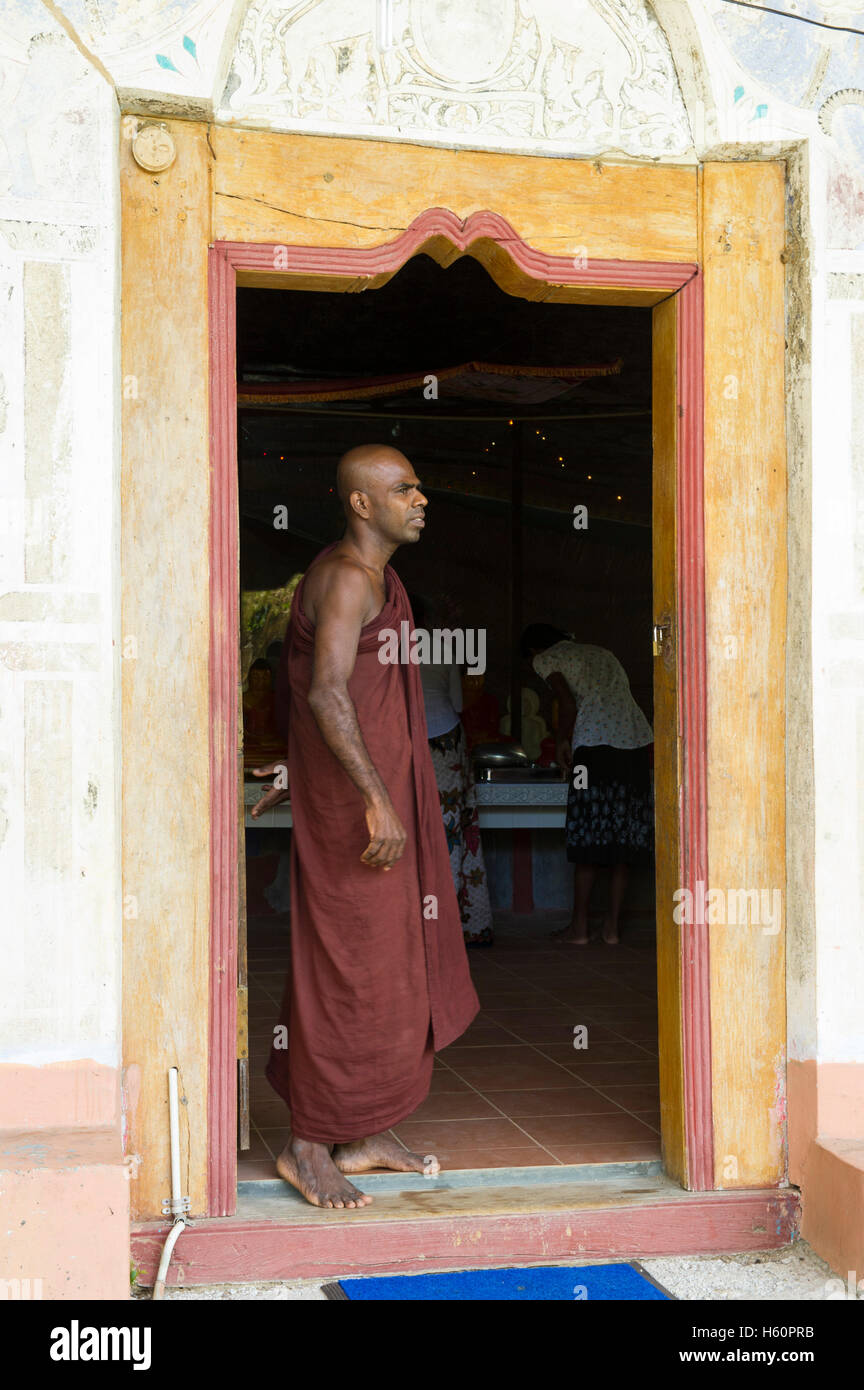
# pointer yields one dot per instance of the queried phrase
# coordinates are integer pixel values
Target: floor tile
(480, 1034)
(260, 1089)
(621, 1051)
(460, 1134)
(644, 1034)
(612, 999)
(446, 1081)
(255, 1170)
(511, 1051)
(633, 1097)
(525, 1105)
(501, 1000)
(504, 1079)
(258, 1148)
(529, 1155)
(610, 1152)
(542, 1035)
(454, 1105)
(518, 1075)
(269, 1113)
(617, 1015)
(556, 1130)
(526, 1018)
(616, 1073)
(275, 1139)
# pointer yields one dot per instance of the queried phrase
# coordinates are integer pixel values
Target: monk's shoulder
(337, 578)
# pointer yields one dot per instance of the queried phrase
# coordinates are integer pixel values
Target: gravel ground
(793, 1273)
(301, 1291)
(788, 1275)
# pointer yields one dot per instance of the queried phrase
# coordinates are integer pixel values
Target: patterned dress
(454, 774)
(610, 815)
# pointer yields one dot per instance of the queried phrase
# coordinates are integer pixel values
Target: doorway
(531, 426)
(564, 231)
(684, 1053)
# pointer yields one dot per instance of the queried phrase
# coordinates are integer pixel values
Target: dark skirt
(610, 820)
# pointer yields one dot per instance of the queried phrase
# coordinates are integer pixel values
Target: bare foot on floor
(310, 1169)
(610, 932)
(382, 1151)
(573, 934)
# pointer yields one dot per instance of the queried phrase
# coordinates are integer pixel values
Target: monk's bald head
(360, 469)
(381, 495)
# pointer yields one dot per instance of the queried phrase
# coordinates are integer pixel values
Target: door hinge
(242, 1022)
(662, 638)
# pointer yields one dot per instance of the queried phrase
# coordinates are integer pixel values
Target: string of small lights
(491, 445)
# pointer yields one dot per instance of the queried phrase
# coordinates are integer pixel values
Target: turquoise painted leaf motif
(165, 62)
(739, 92)
(189, 45)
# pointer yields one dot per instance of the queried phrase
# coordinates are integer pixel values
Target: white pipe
(167, 1251)
(174, 1128)
(179, 1221)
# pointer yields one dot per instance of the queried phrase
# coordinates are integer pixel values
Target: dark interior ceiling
(428, 317)
(593, 446)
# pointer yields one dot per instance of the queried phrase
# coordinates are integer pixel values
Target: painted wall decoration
(49, 148)
(581, 77)
(818, 69)
(591, 76)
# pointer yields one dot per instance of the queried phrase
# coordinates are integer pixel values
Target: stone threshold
(488, 1218)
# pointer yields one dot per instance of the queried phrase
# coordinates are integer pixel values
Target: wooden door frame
(520, 269)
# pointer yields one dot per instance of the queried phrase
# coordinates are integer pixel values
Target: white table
(502, 806)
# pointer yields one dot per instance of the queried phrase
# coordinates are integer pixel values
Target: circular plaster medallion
(153, 149)
(465, 43)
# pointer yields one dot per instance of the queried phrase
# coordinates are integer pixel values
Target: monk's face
(396, 504)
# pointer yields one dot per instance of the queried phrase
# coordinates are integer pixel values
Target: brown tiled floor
(512, 1091)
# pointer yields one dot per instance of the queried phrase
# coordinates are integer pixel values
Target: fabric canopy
(471, 382)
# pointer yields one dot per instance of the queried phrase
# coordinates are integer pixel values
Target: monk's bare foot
(310, 1169)
(382, 1151)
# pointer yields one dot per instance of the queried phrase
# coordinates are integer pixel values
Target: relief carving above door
(588, 76)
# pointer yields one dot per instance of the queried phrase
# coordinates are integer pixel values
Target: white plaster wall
(59, 853)
(838, 659)
(59, 725)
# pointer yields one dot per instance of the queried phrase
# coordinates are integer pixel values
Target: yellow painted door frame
(299, 194)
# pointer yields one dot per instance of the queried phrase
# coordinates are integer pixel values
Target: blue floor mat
(587, 1282)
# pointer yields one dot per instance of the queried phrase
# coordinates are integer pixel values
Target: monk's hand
(275, 794)
(386, 836)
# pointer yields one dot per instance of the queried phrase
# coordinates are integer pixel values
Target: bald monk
(379, 976)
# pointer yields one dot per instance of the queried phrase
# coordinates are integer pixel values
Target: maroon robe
(377, 982)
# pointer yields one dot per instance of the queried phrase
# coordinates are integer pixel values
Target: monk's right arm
(340, 613)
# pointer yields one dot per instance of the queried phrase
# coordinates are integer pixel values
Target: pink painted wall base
(64, 1186)
(65, 1215)
(826, 1159)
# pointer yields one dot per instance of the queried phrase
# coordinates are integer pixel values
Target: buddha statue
(480, 712)
(534, 729)
(261, 740)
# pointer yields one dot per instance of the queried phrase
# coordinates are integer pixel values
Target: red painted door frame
(681, 279)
